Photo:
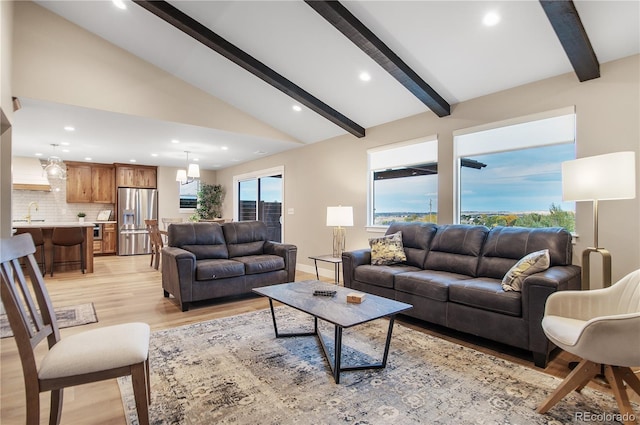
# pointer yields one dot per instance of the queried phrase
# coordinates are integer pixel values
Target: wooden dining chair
(95, 355)
(155, 239)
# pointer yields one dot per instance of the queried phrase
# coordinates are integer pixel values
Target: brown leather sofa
(453, 273)
(207, 260)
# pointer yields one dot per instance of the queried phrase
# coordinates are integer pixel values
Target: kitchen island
(66, 258)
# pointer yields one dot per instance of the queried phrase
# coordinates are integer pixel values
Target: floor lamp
(338, 217)
(599, 178)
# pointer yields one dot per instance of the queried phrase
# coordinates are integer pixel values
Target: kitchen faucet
(28, 217)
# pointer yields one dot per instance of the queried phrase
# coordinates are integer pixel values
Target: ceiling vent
(27, 174)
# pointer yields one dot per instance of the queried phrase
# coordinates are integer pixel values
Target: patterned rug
(70, 316)
(234, 371)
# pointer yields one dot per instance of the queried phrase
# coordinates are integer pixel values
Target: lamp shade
(340, 216)
(181, 176)
(194, 171)
(602, 177)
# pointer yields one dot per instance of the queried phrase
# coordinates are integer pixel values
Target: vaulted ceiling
(267, 57)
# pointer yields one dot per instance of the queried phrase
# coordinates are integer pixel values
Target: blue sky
(517, 181)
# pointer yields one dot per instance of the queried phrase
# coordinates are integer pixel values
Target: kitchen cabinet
(139, 176)
(90, 183)
(107, 245)
(78, 183)
(109, 238)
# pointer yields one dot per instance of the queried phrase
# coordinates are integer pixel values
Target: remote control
(324, 293)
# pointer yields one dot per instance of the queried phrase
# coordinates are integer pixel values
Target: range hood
(27, 174)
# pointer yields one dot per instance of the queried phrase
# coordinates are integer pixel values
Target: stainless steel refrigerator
(134, 207)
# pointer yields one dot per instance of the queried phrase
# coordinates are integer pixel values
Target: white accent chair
(602, 327)
(90, 356)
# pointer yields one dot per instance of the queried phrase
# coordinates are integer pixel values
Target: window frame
(485, 147)
(382, 157)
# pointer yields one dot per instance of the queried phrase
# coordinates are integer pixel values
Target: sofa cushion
(204, 240)
(456, 248)
(416, 239)
(506, 245)
(486, 294)
(245, 238)
(427, 283)
(255, 264)
(382, 276)
(387, 250)
(528, 265)
(218, 269)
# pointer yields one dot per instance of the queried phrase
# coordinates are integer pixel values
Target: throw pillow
(387, 250)
(528, 265)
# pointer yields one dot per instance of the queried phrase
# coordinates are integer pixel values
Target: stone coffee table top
(336, 309)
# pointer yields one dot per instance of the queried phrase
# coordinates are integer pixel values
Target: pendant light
(55, 168)
(190, 174)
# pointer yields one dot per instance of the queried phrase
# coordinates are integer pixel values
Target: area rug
(74, 315)
(234, 371)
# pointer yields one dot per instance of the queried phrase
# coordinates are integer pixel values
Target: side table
(328, 259)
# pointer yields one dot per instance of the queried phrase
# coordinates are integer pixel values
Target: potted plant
(210, 199)
(81, 217)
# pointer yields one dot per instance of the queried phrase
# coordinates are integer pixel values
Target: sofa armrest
(535, 291)
(351, 260)
(178, 273)
(288, 252)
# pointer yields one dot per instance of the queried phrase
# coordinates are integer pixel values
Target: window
(403, 182)
(515, 179)
(259, 197)
(189, 196)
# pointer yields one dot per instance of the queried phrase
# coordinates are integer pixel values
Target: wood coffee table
(335, 310)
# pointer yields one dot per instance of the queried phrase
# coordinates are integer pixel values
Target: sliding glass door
(260, 198)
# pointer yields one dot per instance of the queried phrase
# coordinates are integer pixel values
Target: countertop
(50, 224)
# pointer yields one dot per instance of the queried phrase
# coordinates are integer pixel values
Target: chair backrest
(624, 295)
(167, 221)
(31, 320)
(35, 232)
(154, 233)
(67, 236)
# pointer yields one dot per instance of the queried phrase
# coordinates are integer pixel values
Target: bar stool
(67, 236)
(155, 238)
(38, 241)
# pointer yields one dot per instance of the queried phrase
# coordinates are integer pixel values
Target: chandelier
(190, 174)
(55, 168)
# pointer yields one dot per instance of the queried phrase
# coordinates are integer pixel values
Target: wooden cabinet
(109, 238)
(103, 184)
(141, 176)
(90, 183)
(78, 183)
(108, 243)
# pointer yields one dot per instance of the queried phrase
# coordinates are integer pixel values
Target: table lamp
(599, 178)
(338, 217)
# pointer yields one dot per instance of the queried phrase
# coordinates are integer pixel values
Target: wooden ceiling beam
(567, 24)
(204, 35)
(338, 16)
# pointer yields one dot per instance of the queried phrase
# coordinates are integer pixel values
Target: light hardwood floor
(125, 289)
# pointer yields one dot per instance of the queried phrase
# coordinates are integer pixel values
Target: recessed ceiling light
(87, 158)
(296, 108)
(65, 143)
(154, 154)
(69, 128)
(490, 19)
(365, 76)
(175, 141)
(65, 150)
(132, 160)
(224, 148)
(120, 4)
(38, 154)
